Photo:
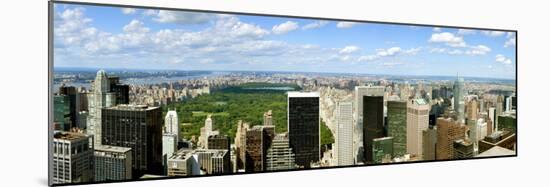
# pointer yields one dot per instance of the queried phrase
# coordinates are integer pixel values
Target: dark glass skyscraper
(121, 90)
(373, 123)
(303, 127)
(138, 127)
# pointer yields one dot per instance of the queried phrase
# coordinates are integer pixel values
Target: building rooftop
(383, 138)
(68, 135)
(496, 151)
(132, 107)
(303, 94)
(463, 142)
(182, 154)
(109, 148)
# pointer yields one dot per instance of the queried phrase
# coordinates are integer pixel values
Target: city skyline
(180, 40)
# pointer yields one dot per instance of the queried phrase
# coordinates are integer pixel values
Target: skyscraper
(361, 91)
(74, 103)
(240, 144)
(417, 120)
(171, 123)
(498, 110)
(219, 142)
(304, 126)
(429, 141)
(344, 134)
(73, 158)
(373, 123)
(397, 126)
(279, 155)
(121, 91)
(258, 140)
(112, 163)
(268, 118)
(458, 89)
(448, 131)
(138, 127)
(169, 147)
(61, 112)
(99, 98)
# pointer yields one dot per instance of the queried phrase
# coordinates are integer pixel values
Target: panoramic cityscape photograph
(143, 93)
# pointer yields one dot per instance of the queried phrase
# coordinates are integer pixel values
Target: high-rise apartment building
(258, 140)
(448, 130)
(344, 134)
(240, 144)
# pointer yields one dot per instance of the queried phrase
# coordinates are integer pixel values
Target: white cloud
(380, 53)
(345, 24)
(448, 39)
(180, 17)
(285, 27)
(128, 10)
(315, 25)
(438, 50)
(502, 59)
(150, 12)
(437, 29)
(511, 40)
(388, 52)
(135, 26)
(349, 49)
(234, 27)
(478, 50)
(413, 51)
(455, 52)
(493, 33)
(465, 31)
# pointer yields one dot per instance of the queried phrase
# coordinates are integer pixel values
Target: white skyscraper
(208, 124)
(171, 124)
(361, 91)
(458, 91)
(344, 134)
(100, 97)
(417, 121)
(480, 132)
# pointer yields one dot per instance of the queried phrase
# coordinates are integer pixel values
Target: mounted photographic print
(143, 93)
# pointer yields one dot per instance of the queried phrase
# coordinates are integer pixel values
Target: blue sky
(112, 37)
